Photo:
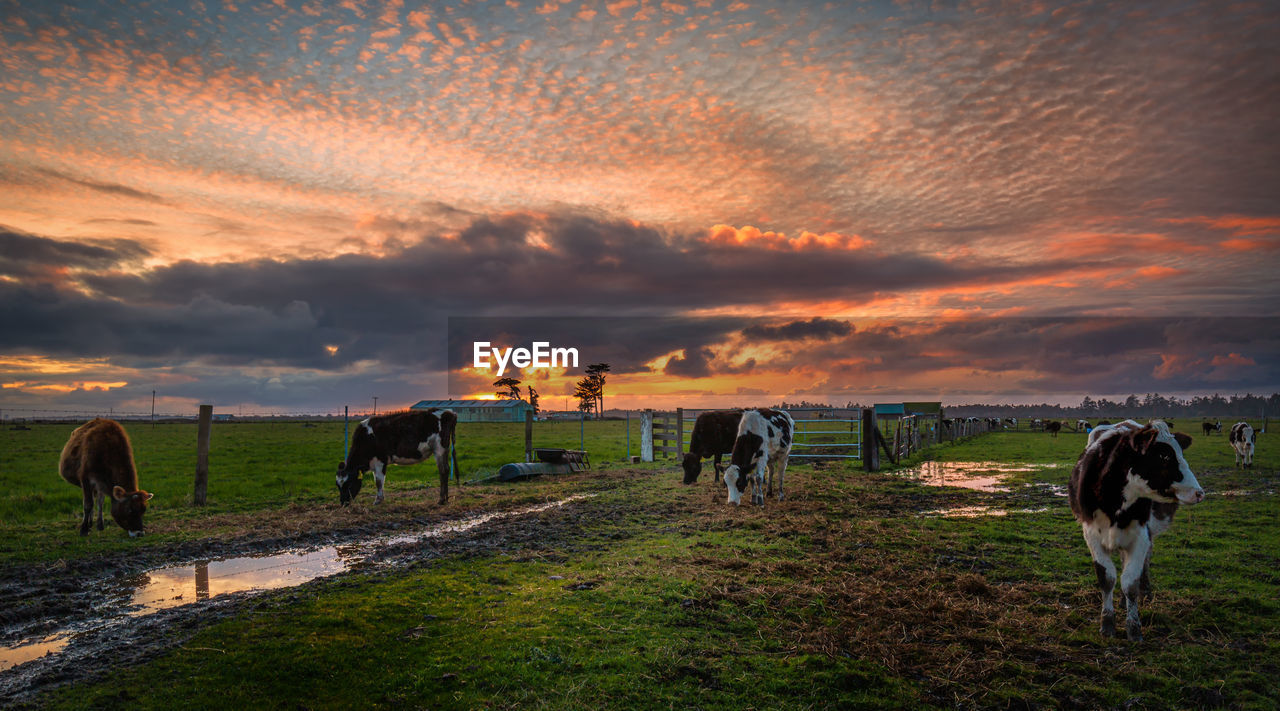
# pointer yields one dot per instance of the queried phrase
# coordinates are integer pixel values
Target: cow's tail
(449, 429)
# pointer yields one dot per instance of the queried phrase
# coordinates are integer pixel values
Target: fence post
(202, 455)
(528, 435)
(870, 451)
(679, 433)
(646, 435)
(628, 436)
(346, 432)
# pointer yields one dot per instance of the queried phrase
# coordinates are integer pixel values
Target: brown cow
(99, 460)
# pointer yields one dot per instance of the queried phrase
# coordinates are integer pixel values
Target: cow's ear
(1143, 438)
(148, 495)
(118, 493)
(1184, 440)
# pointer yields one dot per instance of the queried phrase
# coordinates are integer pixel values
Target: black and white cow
(1053, 427)
(399, 438)
(1124, 490)
(714, 433)
(1211, 427)
(764, 441)
(1082, 425)
(1242, 439)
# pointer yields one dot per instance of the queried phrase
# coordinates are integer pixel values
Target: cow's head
(692, 464)
(127, 508)
(733, 478)
(1160, 472)
(349, 481)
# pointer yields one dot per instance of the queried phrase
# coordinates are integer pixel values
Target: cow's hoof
(84, 530)
(1108, 626)
(781, 496)
(1135, 633)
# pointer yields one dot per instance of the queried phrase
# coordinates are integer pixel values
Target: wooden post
(628, 436)
(870, 452)
(679, 433)
(202, 455)
(528, 435)
(646, 435)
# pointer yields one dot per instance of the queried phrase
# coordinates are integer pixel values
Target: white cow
(764, 441)
(1242, 438)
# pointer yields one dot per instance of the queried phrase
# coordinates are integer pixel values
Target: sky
(278, 205)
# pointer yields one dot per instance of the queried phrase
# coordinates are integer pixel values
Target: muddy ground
(43, 598)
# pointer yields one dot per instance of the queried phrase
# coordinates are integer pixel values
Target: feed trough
(550, 461)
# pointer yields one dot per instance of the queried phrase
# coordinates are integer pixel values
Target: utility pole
(153, 408)
(375, 405)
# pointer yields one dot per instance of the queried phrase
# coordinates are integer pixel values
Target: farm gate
(823, 434)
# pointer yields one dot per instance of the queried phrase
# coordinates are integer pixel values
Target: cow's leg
(87, 490)
(100, 497)
(782, 475)
(1144, 580)
(1130, 581)
(1106, 571)
(757, 492)
(379, 475)
(716, 464)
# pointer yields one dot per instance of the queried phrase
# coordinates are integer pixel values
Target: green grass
(254, 467)
(840, 597)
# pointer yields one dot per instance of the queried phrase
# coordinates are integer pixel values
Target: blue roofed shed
(480, 410)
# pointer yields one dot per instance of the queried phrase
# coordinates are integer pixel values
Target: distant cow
(99, 459)
(714, 433)
(763, 441)
(1124, 490)
(1053, 427)
(1082, 426)
(1242, 439)
(1211, 427)
(399, 438)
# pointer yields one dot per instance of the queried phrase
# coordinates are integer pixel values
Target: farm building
(480, 410)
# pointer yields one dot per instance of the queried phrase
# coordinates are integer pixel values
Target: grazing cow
(714, 433)
(1082, 426)
(98, 459)
(1013, 422)
(399, 438)
(764, 440)
(1053, 427)
(1124, 490)
(1242, 439)
(1211, 427)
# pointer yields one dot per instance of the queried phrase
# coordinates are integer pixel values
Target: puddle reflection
(175, 586)
(978, 476)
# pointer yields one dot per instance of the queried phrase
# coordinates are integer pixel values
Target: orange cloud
(750, 236)
(1238, 225)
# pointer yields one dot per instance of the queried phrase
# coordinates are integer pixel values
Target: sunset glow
(277, 204)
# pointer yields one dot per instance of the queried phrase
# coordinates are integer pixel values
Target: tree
(596, 373)
(533, 399)
(588, 393)
(510, 387)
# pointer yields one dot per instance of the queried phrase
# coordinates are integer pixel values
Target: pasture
(860, 590)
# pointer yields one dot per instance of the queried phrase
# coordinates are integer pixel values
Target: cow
(398, 438)
(1082, 426)
(1242, 439)
(1211, 427)
(714, 433)
(1124, 490)
(1013, 422)
(1053, 427)
(99, 459)
(764, 440)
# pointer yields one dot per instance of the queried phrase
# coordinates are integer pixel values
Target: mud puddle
(989, 477)
(129, 597)
(976, 511)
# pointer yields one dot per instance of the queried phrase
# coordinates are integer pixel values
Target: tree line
(589, 391)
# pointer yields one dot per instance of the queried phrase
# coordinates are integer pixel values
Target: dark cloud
(25, 255)
(815, 328)
(694, 363)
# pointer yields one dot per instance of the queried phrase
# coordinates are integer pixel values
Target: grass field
(655, 595)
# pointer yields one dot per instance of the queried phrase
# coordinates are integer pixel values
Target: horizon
(282, 204)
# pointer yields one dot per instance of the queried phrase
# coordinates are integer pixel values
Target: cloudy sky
(278, 204)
